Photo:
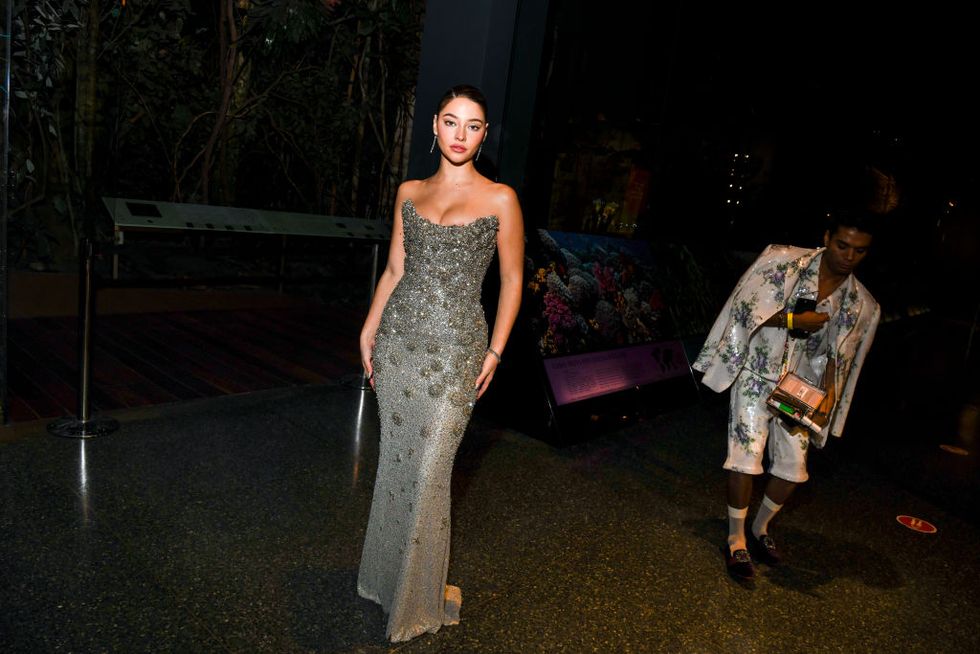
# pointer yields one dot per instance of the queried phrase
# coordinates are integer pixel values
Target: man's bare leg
(777, 492)
(739, 494)
(739, 489)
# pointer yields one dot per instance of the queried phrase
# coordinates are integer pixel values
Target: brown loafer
(764, 549)
(739, 563)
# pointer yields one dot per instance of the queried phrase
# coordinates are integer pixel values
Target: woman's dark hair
(463, 91)
(860, 219)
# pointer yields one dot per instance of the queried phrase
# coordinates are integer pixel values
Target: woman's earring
(433, 147)
(479, 150)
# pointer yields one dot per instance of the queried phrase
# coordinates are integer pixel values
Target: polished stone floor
(234, 524)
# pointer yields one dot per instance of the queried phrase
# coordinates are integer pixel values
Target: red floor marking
(916, 524)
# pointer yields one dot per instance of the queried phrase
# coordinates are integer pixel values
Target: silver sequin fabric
(429, 349)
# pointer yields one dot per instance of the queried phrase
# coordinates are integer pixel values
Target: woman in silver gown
(424, 346)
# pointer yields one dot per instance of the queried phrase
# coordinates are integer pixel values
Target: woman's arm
(386, 284)
(510, 252)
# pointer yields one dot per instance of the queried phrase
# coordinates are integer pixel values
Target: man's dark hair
(860, 219)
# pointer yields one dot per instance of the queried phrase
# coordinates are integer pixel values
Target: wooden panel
(152, 358)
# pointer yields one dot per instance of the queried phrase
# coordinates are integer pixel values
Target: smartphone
(802, 304)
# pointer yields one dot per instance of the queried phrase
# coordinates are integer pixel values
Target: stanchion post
(84, 426)
(86, 302)
(281, 274)
(6, 181)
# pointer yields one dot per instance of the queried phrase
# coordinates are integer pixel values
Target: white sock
(768, 508)
(736, 528)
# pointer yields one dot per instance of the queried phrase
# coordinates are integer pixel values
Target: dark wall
(820, 96)
(496, 46)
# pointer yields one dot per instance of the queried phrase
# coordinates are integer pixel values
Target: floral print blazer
(761, 293)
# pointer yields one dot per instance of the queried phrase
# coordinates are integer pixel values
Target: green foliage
(155, 81)
(286, 104)
(39, 40)
(42, 37)
(329, 132)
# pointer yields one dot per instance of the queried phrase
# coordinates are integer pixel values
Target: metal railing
(141, 215)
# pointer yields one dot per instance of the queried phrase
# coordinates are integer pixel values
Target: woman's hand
(810, 321)
(490, 364)
(367, 356)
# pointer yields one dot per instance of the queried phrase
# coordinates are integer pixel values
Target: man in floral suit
(750, 347)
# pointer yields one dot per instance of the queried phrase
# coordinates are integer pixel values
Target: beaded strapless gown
(428, 352)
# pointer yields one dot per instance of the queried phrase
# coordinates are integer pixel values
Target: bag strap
(792, 346)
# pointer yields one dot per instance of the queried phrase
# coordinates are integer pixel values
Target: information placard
(582, 376)
(598, 315)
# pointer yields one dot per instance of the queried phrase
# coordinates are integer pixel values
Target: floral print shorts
(751, 426)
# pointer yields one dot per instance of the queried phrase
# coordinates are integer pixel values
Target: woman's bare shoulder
(501, 196)
(409, 188)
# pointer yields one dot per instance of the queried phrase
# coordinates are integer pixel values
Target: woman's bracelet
(490, 350)
(789, 320)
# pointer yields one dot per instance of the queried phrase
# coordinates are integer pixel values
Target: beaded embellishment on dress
(429, 349)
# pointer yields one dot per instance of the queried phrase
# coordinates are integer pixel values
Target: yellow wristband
(789, 320)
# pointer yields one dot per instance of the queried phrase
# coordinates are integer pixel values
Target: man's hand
(822, 415)
(810, 321)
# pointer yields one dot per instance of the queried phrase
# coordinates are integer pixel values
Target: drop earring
(433, 147)
(478, 151)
